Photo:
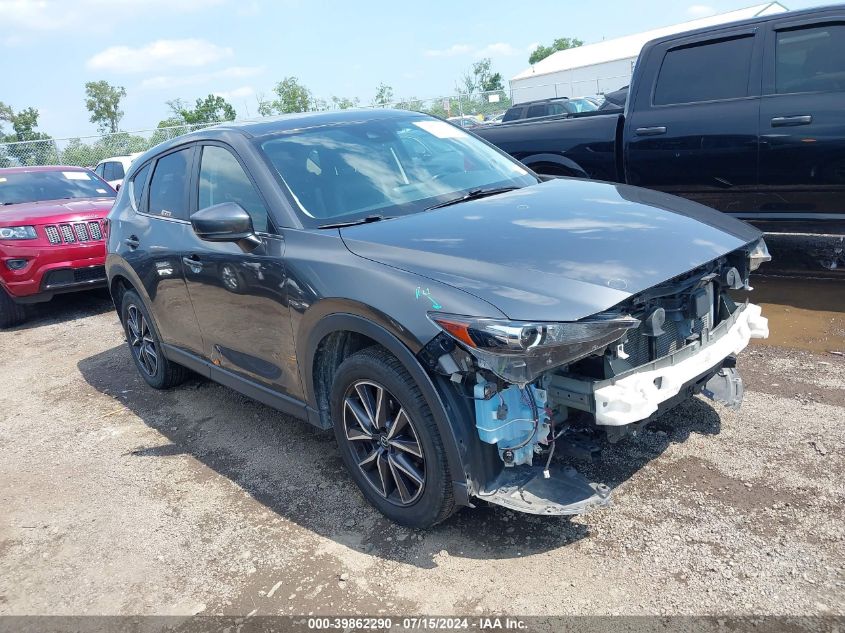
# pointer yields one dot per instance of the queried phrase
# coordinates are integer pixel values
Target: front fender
(455, 440)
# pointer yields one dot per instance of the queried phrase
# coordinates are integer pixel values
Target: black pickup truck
(747, 118)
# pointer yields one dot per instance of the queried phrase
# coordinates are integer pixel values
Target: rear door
(155, 226)
(692, 127)
(802, 122)
(240, 298)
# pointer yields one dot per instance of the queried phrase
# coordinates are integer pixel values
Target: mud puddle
(806, 314)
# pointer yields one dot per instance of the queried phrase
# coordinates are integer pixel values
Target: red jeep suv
(51, 235)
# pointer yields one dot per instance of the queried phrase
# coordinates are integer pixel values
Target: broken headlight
(759, 255)
(519, 351)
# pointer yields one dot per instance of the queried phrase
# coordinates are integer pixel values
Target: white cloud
(249, 9)
(53, 15)
(166, 82)
(452, 51)
(191, 53)
(244, 92)
(700, 10)
(499, 49)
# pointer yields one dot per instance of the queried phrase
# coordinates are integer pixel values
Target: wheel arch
(561, 164)
(337, 335)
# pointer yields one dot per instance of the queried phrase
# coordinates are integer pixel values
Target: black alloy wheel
(384, 441)
(141, 341)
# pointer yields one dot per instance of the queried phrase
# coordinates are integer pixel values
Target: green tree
(384, 95)
(343, 103)
(23, 125)
(291, 96)
(480, 78)
(413, 104)
(212, 109)
(103, 102)
(560, 44)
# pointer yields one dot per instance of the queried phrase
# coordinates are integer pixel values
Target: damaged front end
(536, 386)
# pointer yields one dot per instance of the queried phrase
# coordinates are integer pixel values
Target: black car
(559, 106)
(447, 313)
(746, 117)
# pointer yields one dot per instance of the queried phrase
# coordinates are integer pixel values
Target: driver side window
(222, 179)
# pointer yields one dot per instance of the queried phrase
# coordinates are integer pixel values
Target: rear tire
(11, 313)
(389, 440)
(145, 345)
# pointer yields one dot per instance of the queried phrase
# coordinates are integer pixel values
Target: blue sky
(164, 49)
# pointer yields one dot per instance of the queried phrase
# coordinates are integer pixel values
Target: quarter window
(810, 59)
(222, 179)
(705, 72)
(138, 183)
(167, 188)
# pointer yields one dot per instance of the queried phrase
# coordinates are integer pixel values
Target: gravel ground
(118, 499)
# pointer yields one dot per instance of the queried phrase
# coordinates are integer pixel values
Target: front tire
(11, 313)
(145, 346)
(389, 440)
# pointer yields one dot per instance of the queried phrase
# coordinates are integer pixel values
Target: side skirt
(265, 395)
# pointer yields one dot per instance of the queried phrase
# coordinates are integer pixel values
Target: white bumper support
(636, 397)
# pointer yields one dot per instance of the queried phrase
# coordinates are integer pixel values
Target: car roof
(749, 22)
(539, 101)
(269, 126)
(288, 122)
(14, 170)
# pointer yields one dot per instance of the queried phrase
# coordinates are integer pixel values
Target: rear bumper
(51, 270)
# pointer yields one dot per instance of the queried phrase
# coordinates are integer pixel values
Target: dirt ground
(117, 499)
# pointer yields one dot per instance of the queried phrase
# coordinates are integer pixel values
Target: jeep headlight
(519, 351)
(758, 255)
(17, 233)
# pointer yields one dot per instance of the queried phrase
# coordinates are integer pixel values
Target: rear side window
(222, 179)
(705, 72)
(513, 114)
(167, 187)
(100, 170)
(537, 111)
(810, 59)
(138, 183)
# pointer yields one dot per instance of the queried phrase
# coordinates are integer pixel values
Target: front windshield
(17, 187)
(387, 167)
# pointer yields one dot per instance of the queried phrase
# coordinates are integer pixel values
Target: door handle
(132, 242)
(651, 131)
(788, 121)
(193, 262)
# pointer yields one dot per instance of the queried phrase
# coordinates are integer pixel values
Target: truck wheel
(145, 345)
(11, 313)
(389, 440)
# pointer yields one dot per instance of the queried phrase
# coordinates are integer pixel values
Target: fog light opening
(16, 264)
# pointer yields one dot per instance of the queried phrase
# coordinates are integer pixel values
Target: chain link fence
(87, 151)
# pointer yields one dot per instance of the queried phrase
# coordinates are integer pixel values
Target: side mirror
(226, 222)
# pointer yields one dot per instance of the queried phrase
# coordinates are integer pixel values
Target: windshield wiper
(367, 219)
(474, 194)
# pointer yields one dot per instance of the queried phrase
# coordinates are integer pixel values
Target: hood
(54, 211)
(556, 251)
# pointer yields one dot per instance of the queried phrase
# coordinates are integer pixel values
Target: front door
(802, 123)
(240, 297)
(693, 125)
